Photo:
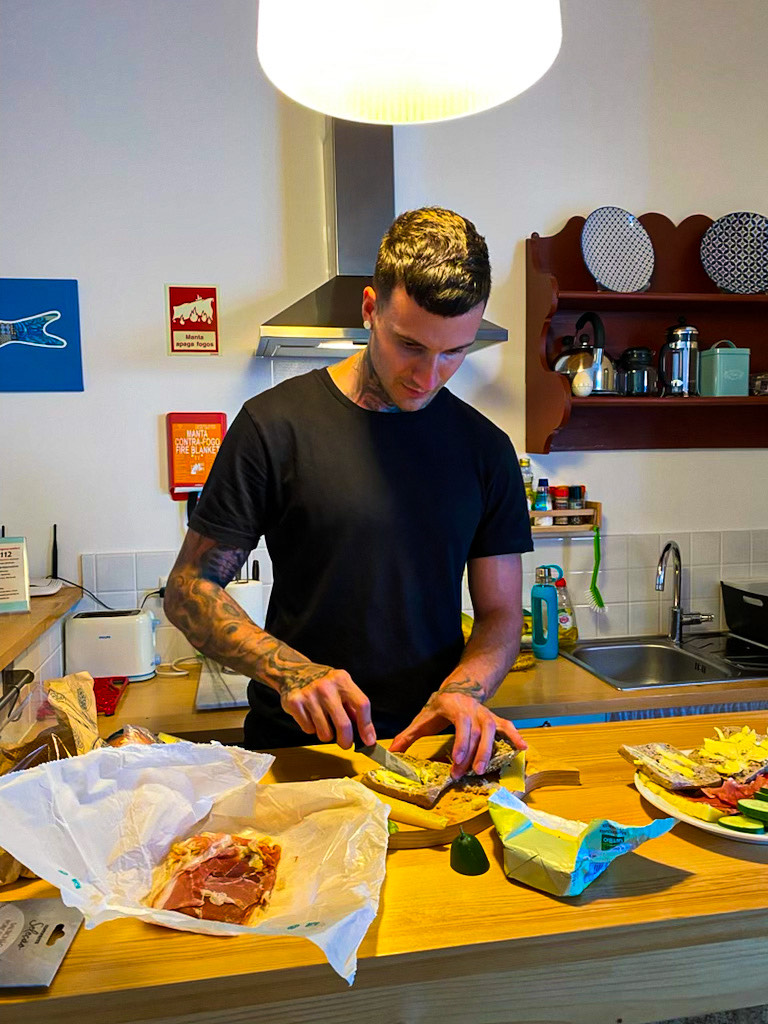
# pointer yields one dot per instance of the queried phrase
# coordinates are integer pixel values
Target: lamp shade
(406, 61)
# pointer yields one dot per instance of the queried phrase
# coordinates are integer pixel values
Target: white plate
(706, 826)
(734, 253)
(617, 250)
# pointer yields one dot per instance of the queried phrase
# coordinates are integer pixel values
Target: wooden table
(552, 689)
(20, 630)
(677, 928)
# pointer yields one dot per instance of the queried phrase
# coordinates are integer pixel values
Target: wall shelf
(559, 288)
(593, 509)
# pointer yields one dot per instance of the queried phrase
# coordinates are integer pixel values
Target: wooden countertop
(677, 928)
(21, 629)
(551, 689)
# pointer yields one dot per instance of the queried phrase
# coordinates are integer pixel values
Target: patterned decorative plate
(734, 253)
(617, 250)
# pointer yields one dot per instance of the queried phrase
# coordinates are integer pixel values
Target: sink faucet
(679, 617)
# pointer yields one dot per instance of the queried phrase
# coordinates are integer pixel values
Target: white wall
(651, 105)
(143, 146)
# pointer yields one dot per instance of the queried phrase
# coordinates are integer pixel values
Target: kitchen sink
(636, 663)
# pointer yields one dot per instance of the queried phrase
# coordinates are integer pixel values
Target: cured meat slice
(217, 876)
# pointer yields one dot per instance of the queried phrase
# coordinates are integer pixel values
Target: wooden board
(466, 811)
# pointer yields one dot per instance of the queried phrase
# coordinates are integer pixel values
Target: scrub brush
(594, 597)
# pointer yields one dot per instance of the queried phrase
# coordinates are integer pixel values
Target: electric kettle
(679, 360)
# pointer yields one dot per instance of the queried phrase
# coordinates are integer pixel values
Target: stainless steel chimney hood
(360, 187)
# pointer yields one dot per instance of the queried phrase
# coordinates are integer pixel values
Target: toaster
(120, 643)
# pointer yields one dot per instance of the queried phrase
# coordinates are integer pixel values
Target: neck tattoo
(369, 392)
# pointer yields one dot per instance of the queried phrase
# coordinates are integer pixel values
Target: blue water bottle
(544, 612)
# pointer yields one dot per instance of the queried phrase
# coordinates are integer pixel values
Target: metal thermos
(679, 360)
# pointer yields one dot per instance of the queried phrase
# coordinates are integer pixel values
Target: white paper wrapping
(96, 826)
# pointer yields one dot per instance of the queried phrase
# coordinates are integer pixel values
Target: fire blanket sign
(193, 319)
(194, 438)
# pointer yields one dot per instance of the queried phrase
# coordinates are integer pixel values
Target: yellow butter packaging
(560, 855)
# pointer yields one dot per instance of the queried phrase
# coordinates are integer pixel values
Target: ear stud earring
(367, 324)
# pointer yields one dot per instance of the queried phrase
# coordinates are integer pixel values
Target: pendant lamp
(406, 61)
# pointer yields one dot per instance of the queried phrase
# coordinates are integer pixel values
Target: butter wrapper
(559, 855)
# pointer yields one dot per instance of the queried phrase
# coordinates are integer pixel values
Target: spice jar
(560, 497)
(576, 500)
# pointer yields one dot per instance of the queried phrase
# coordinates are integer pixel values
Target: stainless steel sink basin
(635, 663)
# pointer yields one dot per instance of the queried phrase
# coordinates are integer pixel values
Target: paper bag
(97, 825)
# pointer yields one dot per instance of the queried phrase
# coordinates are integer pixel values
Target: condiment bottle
(544, 635)
(542, 502)
(567, 631)
(527, 474)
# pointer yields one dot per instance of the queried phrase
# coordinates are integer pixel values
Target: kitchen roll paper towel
(249, 594)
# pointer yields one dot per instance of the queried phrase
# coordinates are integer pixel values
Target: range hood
(327, 323)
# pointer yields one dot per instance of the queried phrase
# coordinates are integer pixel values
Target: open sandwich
(670, 767)
(435, 777)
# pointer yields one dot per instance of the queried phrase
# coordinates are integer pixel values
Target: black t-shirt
(369, 519)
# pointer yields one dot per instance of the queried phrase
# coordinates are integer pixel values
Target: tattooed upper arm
(212, 560)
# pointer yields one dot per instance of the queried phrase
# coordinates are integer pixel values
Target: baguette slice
(435, 777)
(670, 767)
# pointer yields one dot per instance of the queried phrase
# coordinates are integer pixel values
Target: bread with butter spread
(434, 776)
(670, 767)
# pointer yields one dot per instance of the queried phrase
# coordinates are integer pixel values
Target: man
(373, 487)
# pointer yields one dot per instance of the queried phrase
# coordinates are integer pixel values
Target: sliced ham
(217, 876)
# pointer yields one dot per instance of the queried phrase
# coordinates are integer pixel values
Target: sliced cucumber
(761, 794)
(754, 809)
(738, 823)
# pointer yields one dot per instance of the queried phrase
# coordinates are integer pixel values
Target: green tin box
(724, 370)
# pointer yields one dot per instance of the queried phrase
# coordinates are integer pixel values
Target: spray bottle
(544, 612)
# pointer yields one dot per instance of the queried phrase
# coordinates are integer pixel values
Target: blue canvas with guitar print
(39, 335)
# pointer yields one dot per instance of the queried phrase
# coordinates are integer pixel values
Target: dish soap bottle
(544, 641)
(567, 631)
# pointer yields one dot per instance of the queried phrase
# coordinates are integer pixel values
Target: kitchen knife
(387, 760)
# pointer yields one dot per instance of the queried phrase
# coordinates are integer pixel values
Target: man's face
(415, 352)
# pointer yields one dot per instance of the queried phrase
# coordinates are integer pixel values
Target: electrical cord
(84, 590)
(152, 593)
(174, 668)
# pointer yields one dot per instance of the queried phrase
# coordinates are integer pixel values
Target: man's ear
(369, 302)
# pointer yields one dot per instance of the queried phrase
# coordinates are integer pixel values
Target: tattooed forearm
(217, 626)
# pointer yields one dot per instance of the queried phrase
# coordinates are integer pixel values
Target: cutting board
(468, 811)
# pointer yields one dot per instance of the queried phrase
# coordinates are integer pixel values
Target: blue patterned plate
(734, 253)
(617, 250)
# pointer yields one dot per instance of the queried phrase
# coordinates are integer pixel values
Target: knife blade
(387, 760)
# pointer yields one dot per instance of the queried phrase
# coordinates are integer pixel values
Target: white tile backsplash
(626, 580)
(613, 620)
(614, 552)
(644, 618)
(759, 546)
(705, 548)
(736, 546)
(116, 572)
(643, 550)
(150, 566)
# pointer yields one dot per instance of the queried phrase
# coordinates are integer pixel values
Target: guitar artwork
(32, 330)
